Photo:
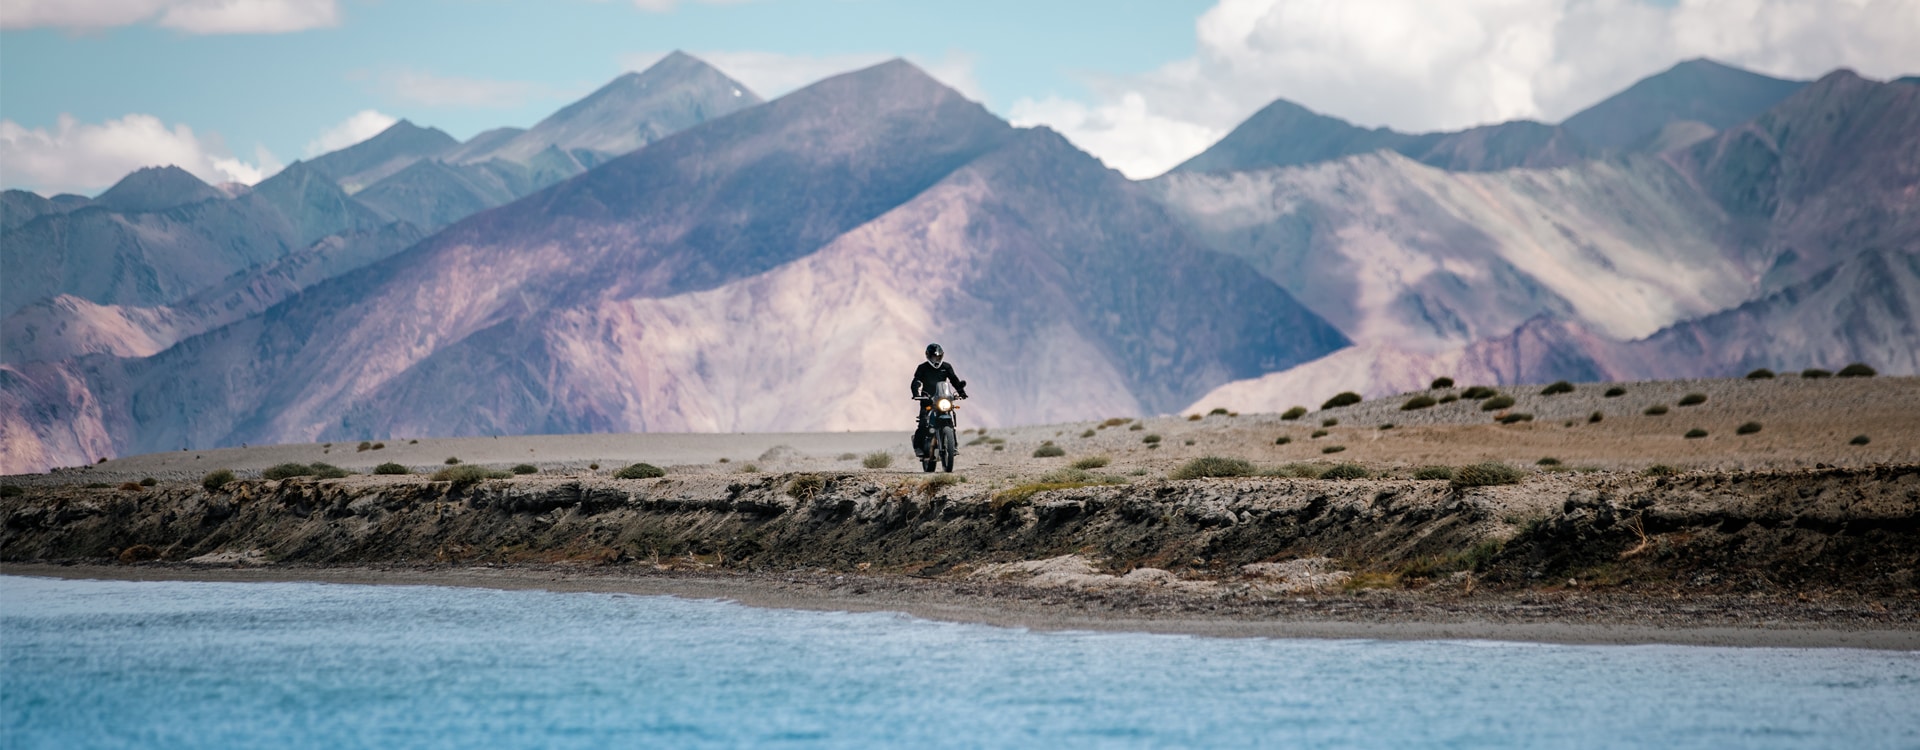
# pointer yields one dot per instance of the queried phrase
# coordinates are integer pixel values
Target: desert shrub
(1282, 440)
(1294, 413)
(96, 485)
(750, 468)
(1137, 426)
(1049, 450)
(806, 486)
(849, 457)
(1478, 392)
(138, 553)
(1693, 399)
(1343, 398)
(1655, 410)
(1418, 402)
(378, 446)
(12, 490)
(1441, 382)
(1212, 466)
(1433, 472)
(131, 487)
(1595, 418)
(1150, 439)
(1333, 449)
(365, 445)
(1089, 433)
(877, 460)
(1302, 471)
(940, 482)
(216, 479)
(1193, 417)
(1318, 434)
(391, 468)
(640, 471)
(413, 442)
(1548, 461)
(526, 469)
(1329, 422)
(1449, 398)
(1091, 462)
(596, 466)
(1615, 392)
(453, 460)
(1696, 433)
(1345, 471)
(723, 460)
(466, 475)
(1189, 441)
(1815, 373)
(287, 471)
(1661, 470)
(148, 481)
(1556, 388)
(1114, 422)
(1856, 370)
(1486, 474)
(1388, 426)
(1860, 440)
(1747, 429)
(1515, 417)
(1218, 410)
(1760, 374)
(1496, 403)
(328, 471)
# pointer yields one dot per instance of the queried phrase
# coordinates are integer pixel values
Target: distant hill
(676, 93)
(1784, 239)
(1828, 172)
(156, 189)
(17, 207)
(1285, 134)
(1699, 90)
(392, 150)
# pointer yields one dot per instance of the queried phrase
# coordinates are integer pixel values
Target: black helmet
(935, 353)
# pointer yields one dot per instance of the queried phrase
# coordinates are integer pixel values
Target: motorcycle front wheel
(949, 445)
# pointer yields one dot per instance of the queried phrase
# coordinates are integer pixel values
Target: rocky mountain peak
(390, 151)
(630, 111)
(1700, 89)
(157, 189)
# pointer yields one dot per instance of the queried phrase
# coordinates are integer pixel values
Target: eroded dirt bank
(1843, 531)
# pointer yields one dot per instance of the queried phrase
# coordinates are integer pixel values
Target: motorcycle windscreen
(943, 389)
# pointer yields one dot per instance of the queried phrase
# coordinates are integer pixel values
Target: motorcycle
(942, 418)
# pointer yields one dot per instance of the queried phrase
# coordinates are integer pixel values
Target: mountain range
(672, 253)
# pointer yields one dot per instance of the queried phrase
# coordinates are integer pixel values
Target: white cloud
(1137, 142)
(192, 16)
(1418, 65)
(772, 74)
(250, 16)
(87, 158)
(362, 125)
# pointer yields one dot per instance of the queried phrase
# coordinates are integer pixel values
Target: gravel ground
(1804, 424)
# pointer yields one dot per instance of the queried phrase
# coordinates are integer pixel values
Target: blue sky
(236, 88)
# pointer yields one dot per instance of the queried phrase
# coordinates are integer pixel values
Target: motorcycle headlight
(945, 405)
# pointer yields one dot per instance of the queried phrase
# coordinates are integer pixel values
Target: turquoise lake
(302, 665)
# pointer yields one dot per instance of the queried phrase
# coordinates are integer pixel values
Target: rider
(929, 373)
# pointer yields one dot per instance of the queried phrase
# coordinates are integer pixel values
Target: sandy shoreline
(1615, 623)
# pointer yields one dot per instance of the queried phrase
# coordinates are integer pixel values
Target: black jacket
(928, 374)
